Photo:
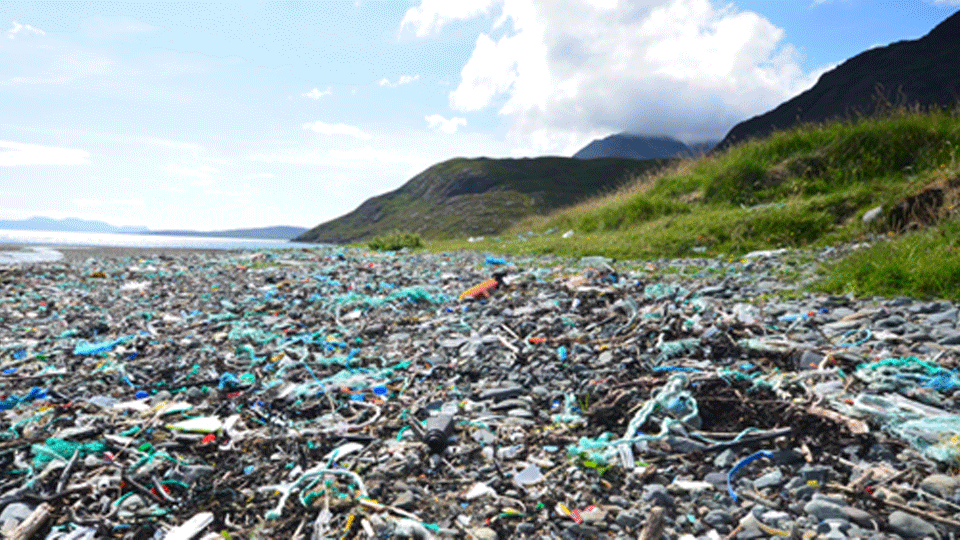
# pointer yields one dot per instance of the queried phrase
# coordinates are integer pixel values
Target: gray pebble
(716, 518)
(771, 479)
(725, 460)
(910, 526)
(619, 501)
(822, 509)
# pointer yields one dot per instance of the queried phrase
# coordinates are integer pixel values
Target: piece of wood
(653, 528)
(32, 524)
(855, 426)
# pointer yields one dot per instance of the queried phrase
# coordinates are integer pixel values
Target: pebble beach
(339, 393)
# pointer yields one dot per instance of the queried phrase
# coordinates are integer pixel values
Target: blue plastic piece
(85, 348)
(228, 379)
(739, 466)
(676, 368)
(141, 394)
(495, 261)
(562, 352)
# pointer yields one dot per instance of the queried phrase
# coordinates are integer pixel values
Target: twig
(653, 529)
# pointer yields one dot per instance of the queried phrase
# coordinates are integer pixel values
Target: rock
(628, 520)
(940, 484)
(718, 479)
(581, 531)
(405, 501)
(619, 501)
(657, 494)
(822, 509)
(771, 479)
(860, 517)
(484, 533)
(872, 215)
(834, 529)
(949, 316)
(809, 360)
(725, 460)
(894, 321)
(911, 526)
(716, 518)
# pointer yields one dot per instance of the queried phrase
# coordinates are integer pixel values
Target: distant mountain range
(466, 197)
(280, 232)
(89, 226)
(630, 146)
(68, 224)
(925, 71)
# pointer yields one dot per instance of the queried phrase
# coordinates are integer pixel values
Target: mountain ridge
(634, 146)
(477, 196)
(924, 71)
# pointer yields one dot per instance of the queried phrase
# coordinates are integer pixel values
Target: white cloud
(25, 29)
(112, 202)
(564, 71)
(404, 79)
(260, 175)
(12, 153)
(200, 171)
(202, 175)
(431, 15)
(337, 129)
(316, 93)
(442, 125)
(948, 2)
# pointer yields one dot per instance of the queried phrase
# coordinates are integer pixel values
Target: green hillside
(464, 197)
(808, 186)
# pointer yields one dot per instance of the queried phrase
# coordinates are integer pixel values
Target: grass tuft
(395, 241)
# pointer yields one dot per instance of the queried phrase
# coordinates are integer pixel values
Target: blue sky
(247, 114)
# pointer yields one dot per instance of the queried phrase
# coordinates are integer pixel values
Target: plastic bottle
(439, 428)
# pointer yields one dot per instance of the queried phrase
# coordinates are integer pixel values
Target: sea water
(40, 246)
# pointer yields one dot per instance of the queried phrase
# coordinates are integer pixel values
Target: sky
(211, 116)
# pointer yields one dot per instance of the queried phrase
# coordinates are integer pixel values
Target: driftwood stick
(32, 524)
(653, 528)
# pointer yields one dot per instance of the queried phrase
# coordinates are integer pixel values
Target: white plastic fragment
(138, 405)
(202, 424)
(342, 451)
(171, 407)
(191, 527)
(528, 476)
(478, 490)
(692, 485)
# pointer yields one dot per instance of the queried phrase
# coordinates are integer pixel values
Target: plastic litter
(334, 393)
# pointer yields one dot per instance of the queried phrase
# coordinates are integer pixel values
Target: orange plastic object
(480, 291)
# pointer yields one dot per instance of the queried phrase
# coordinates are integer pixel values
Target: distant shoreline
(73, 254)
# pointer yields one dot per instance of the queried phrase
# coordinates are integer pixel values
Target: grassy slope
(463, 196)
(804, 187)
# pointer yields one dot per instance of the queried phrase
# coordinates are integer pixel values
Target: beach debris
(331, 392)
